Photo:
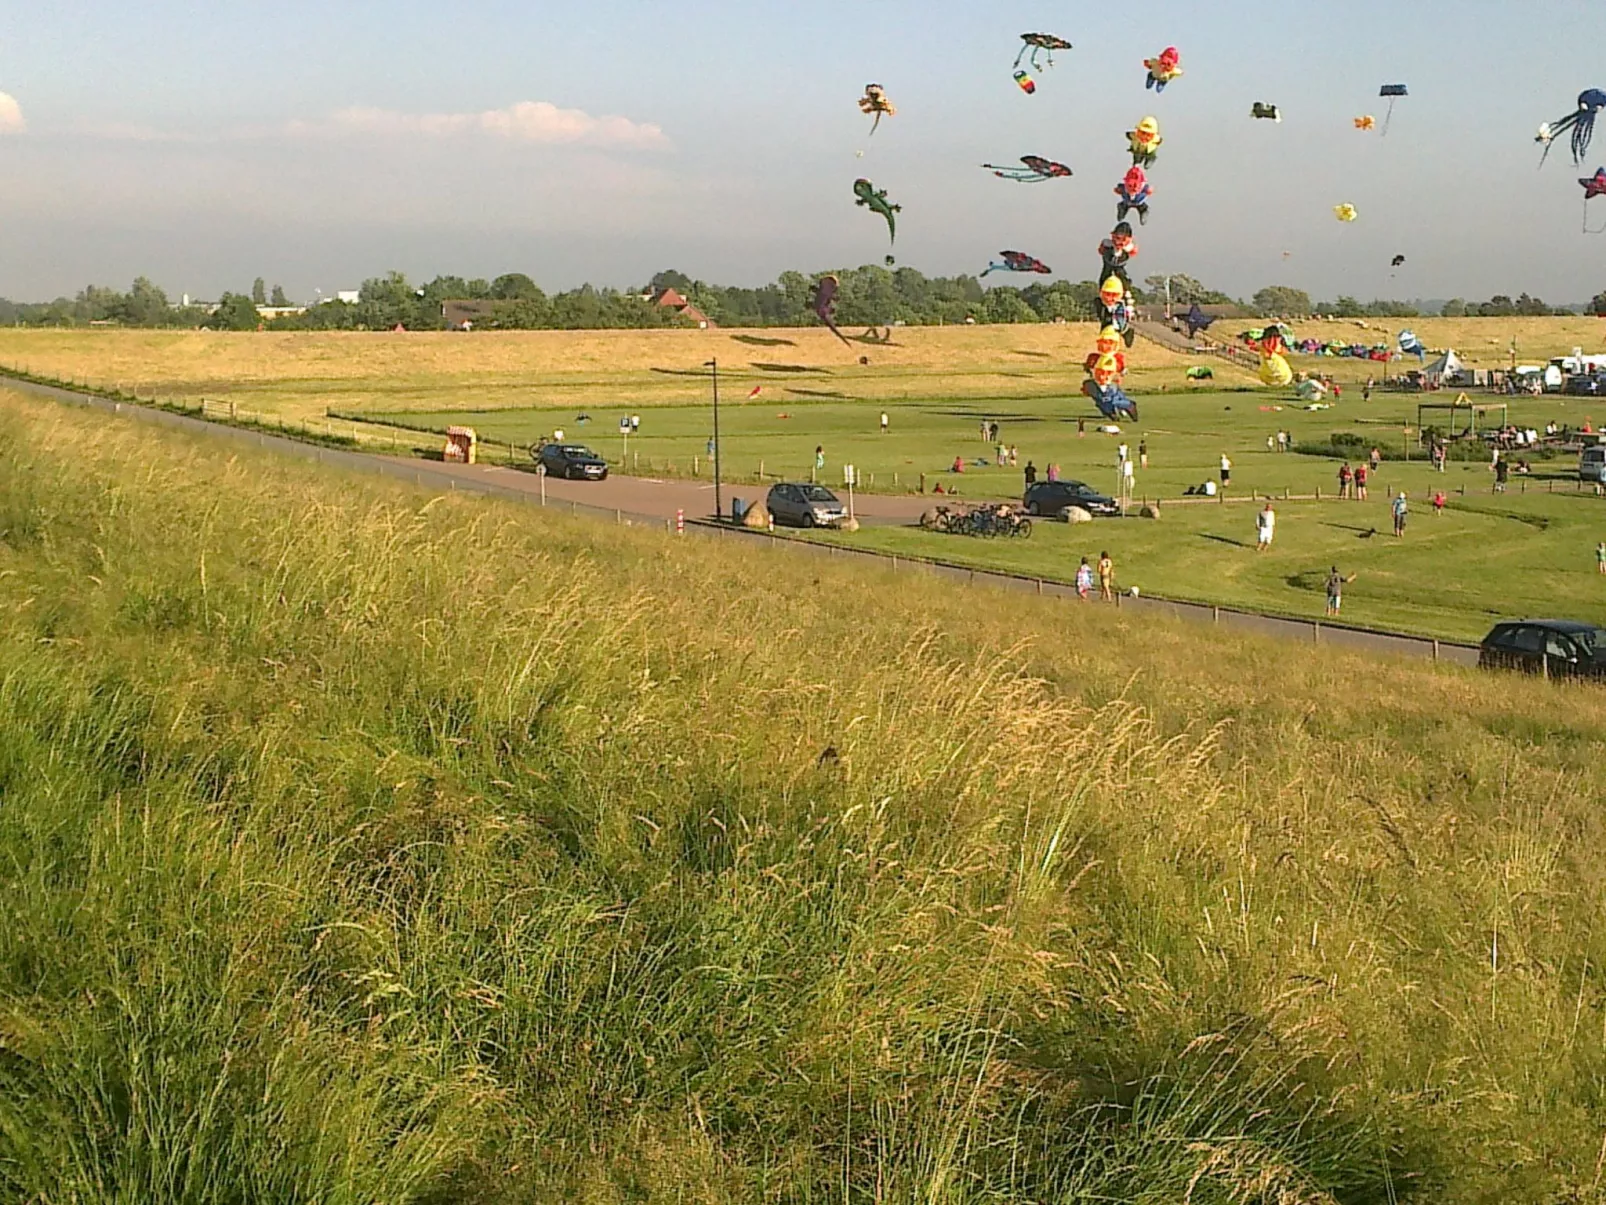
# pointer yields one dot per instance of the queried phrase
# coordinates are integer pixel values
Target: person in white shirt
(1226, 471)
(1265, 528)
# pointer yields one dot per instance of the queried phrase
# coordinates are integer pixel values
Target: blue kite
(1112, 401)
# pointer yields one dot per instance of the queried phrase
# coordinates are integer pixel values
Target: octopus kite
(1133, 192)
(825, 291)
(1163, 68)
(1144, 142)
(875, 101)
(1580, 122)
(875, 200)
(1040, 47)
(1018, 261)
(1036, 171)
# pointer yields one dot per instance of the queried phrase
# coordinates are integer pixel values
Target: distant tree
(1498, 306)
(1280, 300)
(1006, 305)
(259, 291)
(515, 286)
(1454, 308)
(279, 299)
(235, 312)
(671, 279)
(145, 305)
(1185, 290)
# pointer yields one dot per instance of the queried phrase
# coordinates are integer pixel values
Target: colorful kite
(1581, 122)
(1116, 252)
(1163, 68)
(1104, 387)
(1144, 142)
(1396, 261)
(1027, 84)
(875, 200)
(1345, 213)
(1041, 48)
(1018, 261)
(1366, 123)
(825, 291)
(1392, 92)
(1108, 344)
(1410, 345)
(1274, 367)
(875, 101)
(1594, 186)
(1197, 320)
(1133, 192)
(1036, 171)
(1265, 112)
(1115, 309)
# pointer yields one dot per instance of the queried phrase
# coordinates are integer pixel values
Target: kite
(1041, 48)
(1594, 186)
(1393, 92)
(1396, 261)
(1144, 142)
(1019, 261)
(1116, 252)
(825, 290)
(1109, 344)
(875, 101)
(1366, 123)
(1410, 345)
(1163, 68)
(1264, 112)
(876, 201)
(1036, 171)
(1345, 213)
(1104, 387)
(1274, 367)
(1133, 192)
(1027, 84)
(1115, 310)
(1197, 321)
(1581, 121)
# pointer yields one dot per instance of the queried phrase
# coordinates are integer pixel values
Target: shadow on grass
(822, 393)
(1224, 540)
(1036, 355)
(788, 368)
(755, 341)
(680, 372)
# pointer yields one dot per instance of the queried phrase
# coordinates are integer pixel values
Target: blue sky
(318, 143)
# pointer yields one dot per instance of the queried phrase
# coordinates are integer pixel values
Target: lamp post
(719, 499)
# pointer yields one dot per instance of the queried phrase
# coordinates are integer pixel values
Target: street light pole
(719, 499)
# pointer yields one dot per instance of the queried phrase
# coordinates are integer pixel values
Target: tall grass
(358, 845)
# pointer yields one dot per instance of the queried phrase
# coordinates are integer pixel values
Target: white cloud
(534, 121)
(11, 121)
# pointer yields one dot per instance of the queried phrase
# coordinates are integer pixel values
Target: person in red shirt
(1360, 483)
(1344, 478)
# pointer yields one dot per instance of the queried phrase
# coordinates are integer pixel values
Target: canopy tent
(1447, 365)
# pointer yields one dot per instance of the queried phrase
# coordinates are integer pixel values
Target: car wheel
(1032, 510)
(808, 521)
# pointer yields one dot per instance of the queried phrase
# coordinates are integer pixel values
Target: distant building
(348, 296)
(269, 312)
(671, 299)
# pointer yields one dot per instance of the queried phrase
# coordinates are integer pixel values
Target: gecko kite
(1036, 171)
(1163, 68)
(1018, 261)
(1040, 48)
(1580, 123)
(875, 200)
(875, 101)
(825, 291)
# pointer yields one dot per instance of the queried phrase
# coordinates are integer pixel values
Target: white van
(1592, 465)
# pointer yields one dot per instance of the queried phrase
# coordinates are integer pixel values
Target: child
(1084, 580)
(1438, 509)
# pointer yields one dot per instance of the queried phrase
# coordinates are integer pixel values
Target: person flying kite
(1036, 171)
(1163, 68)
(825, 291)
(875, 200)
(1018, 261)
(1264, 112)
(1040, 47)
(1133, 192)
(1392, 92)
(875, 101)
(1580, 122)
(1144, 142)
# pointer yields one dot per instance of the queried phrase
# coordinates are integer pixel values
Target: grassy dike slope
(357, 845)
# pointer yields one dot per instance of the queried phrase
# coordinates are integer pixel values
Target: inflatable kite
(1018, 261)
(1396, 261)
(1144, 142)
(1027, 84)
(1265, 112)
(1345, 213)
(1105, 389)
(825, 290)
(1163, 68)
(1115, 309)
(1116, 252)
(1410, 345)
(1393, 92)
(1133, 192)
(1109, 344)
(1036, 171)
(1041, 48)
(874, 101)
(1366, 123)
(1594, 186)
(1197, 320)
(1580, 122)
(1275, 370)
(876, 202)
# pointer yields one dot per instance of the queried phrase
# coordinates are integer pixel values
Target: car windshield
(816, 493)
(577, 450)
(1591, 640)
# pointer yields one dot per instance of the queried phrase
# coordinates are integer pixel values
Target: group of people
(1106, 578)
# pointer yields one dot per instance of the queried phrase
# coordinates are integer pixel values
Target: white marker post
(849, 479)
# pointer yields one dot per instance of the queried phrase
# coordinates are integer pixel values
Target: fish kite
(1196, 321)
(875, 101)
(825, 291)
(875, 200)
(1036, 171)
(1041, 48)
(1393, 92)
(1144, 142)
(1018, 261)
(1345, 213)
(1163, 68)
(1581, 122)
(1133, 192)
(1366, 123)
(1265, 112)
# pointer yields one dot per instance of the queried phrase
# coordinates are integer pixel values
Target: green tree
(235, 312)
(279, 299)
(515, 286)
(1454, 308)
(146, 305)
(1276, 301)
(259, 292)
(1597, 305)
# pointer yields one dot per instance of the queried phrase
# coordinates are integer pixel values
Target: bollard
(680, 522)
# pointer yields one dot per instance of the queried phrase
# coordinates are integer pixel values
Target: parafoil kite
(1393, 92)
(1594, 186)
(875, 101)
(1366, 123)
(1116, 252)
(1197, 320)
(876, 201)
(1163, 68)
(1265, 112)
(1133, 192)
(1027, 84)
(1581, 123)
(825, 291)
(1345, 213)
(1144, 142)
(1036, 171)
(1018, 261)
(1041, 48)
(1410, 345)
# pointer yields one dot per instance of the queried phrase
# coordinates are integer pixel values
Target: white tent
(1447, 365)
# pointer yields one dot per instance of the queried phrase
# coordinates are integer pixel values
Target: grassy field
(363, 845)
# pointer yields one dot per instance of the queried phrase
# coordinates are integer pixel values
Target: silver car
(806, 506)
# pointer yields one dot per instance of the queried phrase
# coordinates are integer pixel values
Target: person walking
(819, 460)
(1265, 528)
(1502, 471)
(1345, 476)
(1031, 474)
(1360, 483)
(1106, 577)
(1084, 580)
(1336, 582)
(1366, 390)
(1377, 459)
(1402, 510)
(1600, 558)
(1226, 472)
(885, 422)
(1143, 453)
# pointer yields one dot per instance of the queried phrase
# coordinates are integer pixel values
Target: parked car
(805, 505)
(571, 461)
(1560, 647)
(1592, 465)
(1049, 498)
(1588, 385)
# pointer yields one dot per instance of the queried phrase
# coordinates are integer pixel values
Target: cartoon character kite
(1133, 192)
(1274, 367)
(1018, 261)
(1115, 309)
(1410, 345)
(1197, 321)
(1104, 387)
(1040, 47)
(1109, 344)
(1366, 123)
(875, 101)
(875, 200)
(825, 291)
(1163, 68)
(1581, 123)
(1036, 171)
(1144, 142)
(1264, 112)
(1594, 186)
(1393, 92)
(1345, 212)
(1116, 252)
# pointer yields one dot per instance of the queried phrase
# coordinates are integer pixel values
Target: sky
(319, 143)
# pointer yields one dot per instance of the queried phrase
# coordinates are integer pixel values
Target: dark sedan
(574, 461)
(1049, 498)
(1558, 648)
(1585, 386)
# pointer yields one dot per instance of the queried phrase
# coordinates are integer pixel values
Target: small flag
(757, 389)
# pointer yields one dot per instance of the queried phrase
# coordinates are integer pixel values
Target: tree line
(868, 296)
